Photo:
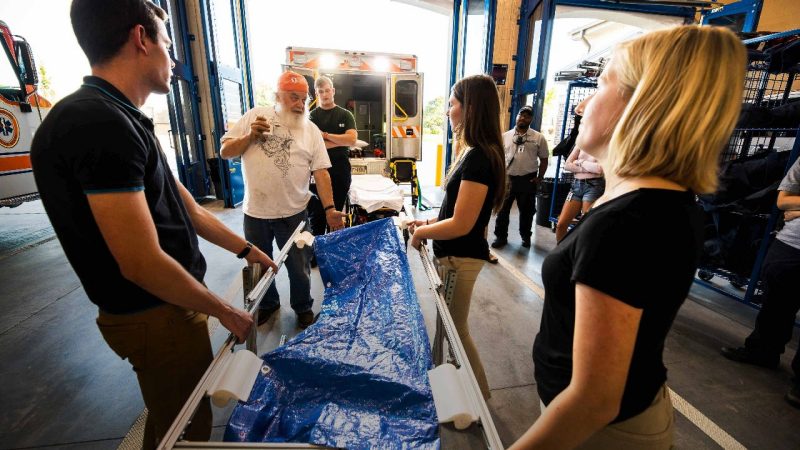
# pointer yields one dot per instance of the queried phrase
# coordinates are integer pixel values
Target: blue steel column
(490, 15)
(548, 17)
(454, 63)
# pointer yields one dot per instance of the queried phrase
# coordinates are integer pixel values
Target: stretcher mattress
(356, 379)
(373, 192)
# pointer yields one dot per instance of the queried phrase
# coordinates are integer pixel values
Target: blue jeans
(261, 232)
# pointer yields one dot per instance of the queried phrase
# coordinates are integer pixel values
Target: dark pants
(261, 232)
(340, 183)
(169, 350)
(523, 191)
(775, 321)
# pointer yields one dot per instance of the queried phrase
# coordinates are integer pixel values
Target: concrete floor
(61, 387)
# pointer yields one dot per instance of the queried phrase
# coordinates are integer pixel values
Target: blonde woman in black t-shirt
(598, 355)
(474, 187)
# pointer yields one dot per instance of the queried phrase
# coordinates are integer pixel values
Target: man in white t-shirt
(280, 150)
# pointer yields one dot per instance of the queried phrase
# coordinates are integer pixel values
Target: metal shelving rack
(577, 91)
(763, 89)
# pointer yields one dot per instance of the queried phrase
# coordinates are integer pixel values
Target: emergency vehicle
(21, 113)
(384, 93)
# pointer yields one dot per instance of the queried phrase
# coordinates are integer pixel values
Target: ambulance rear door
(404, 116)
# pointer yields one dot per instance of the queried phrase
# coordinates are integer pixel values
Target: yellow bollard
(439, 165)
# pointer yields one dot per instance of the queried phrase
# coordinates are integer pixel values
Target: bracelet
(245, 251)
(329, 207)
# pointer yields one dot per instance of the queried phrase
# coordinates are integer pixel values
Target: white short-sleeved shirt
(790, 234)
(277, 170)
(526, 161)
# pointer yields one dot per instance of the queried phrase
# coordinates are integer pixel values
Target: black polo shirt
(96, 141)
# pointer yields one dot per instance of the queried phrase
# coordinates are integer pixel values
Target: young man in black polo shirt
(127, 227)
(338, 128)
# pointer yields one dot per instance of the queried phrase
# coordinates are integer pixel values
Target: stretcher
(472, 426)
(373, 197)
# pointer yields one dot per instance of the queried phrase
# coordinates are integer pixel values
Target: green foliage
(265, 96)
(45, 85)
(433, 116)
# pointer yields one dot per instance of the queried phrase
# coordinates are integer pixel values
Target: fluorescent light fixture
(381, 64)
(328, 61)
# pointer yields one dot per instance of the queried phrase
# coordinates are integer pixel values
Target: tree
(433, 116)
(265, 96)
(45, 85)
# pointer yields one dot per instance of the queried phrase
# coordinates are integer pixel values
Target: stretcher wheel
(704, 275)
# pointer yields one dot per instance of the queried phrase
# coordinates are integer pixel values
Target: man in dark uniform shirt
(128, 228)
(338, 127)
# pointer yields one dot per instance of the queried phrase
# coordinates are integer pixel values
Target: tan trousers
(652, 429)
(467, 270)
(169, 350)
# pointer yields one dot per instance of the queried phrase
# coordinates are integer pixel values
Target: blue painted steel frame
(188, 74)
(572, 84)
(458, 51)
(752, 9)
(755, 274)
(524, 86)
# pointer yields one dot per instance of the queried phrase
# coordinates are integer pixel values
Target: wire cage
(577, 91)
(737, 238)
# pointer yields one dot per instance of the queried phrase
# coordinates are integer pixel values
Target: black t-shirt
(475, 167)
(96, 141)
(641, 248)
(336, 120)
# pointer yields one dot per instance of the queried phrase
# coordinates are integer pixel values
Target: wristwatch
(245, 251)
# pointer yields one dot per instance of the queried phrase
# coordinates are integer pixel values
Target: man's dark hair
(102, 26)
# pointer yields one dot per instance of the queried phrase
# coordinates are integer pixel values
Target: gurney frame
(445, 334)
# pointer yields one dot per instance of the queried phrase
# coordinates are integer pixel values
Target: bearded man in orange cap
(280, 150)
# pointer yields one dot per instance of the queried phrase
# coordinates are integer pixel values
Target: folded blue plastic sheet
(356, 379)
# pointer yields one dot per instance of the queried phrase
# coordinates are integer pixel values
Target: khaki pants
(169, 350)
(652, 429)
(467, 270)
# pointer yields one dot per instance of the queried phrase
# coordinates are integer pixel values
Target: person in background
(280, 150)
(127, 227)
(598, 356)
(781, 301)
(474, 186)
(587, 187)
(526, 156)
(338, 127)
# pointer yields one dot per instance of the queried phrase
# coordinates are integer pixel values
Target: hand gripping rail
(446, 329)
(252, 301)
(445, 332)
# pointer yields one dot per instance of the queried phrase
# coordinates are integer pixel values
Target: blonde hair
(685, 86)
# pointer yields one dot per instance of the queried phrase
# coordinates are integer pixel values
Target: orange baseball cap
(292, 81)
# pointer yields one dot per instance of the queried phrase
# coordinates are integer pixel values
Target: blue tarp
(356, 379)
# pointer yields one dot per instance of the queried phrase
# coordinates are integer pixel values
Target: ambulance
(384, 93)
(21, 113)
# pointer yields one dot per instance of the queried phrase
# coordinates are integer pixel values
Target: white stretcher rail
(445, 332)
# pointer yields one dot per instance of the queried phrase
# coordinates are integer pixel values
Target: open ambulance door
(225, 26)
(404, 116)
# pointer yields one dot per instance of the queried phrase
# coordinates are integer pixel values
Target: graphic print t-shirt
(277, 169)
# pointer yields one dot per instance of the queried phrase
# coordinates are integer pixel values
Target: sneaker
(793, 396)
(498, 243)
(743, 355)
(526, 243)
(265, 314)
(305, 319)
(492, 258)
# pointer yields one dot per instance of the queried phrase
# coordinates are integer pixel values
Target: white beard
(290, 119)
